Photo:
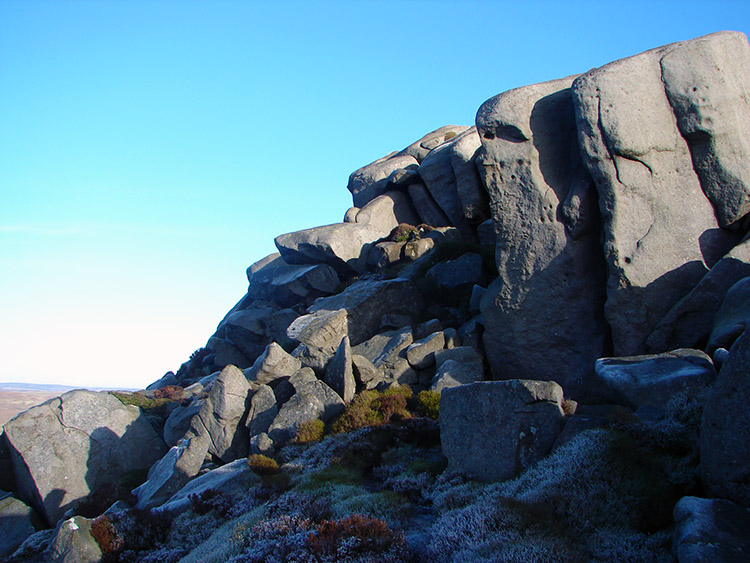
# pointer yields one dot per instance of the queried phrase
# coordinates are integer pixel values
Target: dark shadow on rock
(715, 243)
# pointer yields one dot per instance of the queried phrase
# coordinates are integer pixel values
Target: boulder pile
(580, 251)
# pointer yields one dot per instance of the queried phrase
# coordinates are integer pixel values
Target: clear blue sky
(151, 151)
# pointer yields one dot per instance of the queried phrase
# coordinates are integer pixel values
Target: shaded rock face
(732, 318)
(76, 444)
(491, 430)
(544, 315)
(639, 123)
(17, 525)
(710, 530)
(725, 429)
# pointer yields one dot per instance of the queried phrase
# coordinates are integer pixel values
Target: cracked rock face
(644, 135)
(76, 444)
(491, 430)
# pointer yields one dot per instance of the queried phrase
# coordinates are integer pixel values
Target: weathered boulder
(368, 182)
(466, 270)
(426, 207)
(384, 254)
(710, 530)
(421, 148)
(168, 475)
(491, 430)
(365, 302)
(471, 191)
(312, 401)
(341, 245)
(732, 318)
(651, 381)
(387, 211)
(707, 82)
(689, 323)
(288, 284)
(273, 364)
(439, 177)
(263, 409)
(725, 429)
(73, 543)
(227, 353)
(222, 416)
(661, 234)
(76, 444)
(416, 248)
(17, 521)
(387, 352)
(364, 371)
(544, 314)
(233, 479)
(421, 354)
(452, 373)
(340, 373)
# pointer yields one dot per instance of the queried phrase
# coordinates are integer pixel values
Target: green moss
(140, 400)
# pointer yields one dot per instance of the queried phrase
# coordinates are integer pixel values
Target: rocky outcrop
(639, 127)
(17, 524)
(732, 318)
(491, 430)
(72, 446)
(551, 271)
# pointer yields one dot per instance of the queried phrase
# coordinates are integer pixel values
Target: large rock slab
(340, 372)
(471, 191)
(426, 207)
(273, 364)
(341, 245)
(17, 524)
(222, 416)
(75, 445)
(234, 478)
(689, 323)
(725, 429)
(492, 430)
(652, 380)
(168, 475)
(661, 234)
(366, 301)
(387, 211)
(288, 284)
(73, 543)
(545, 313)
(263, 409)
(708, 84)
(368, 182)
(710, 530)
(454, 274)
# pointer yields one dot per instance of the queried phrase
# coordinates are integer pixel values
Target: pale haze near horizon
(151, 151)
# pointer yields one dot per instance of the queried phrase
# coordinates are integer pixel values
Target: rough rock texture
(421, 148)
(178, 422)
(708, 85)
(492, 430)
(660, 231)
(544, 315)
(75, 444)
(232, 478)
(471, 190)
(273, 364)
(689, 323)
(387, 352)
(426, 207)
(73, 543)
(168, 475)
(341, 245)
(223, 414)
(732, 318)
(366, 301)
(725, 429)
(340, 374)
(439, 177)
(368, 182)
(313, 400)
(387, 211)
(263, 409)
(364, 370)
(653, 380)
(16, 519)
(710, 530)
(287, 284)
